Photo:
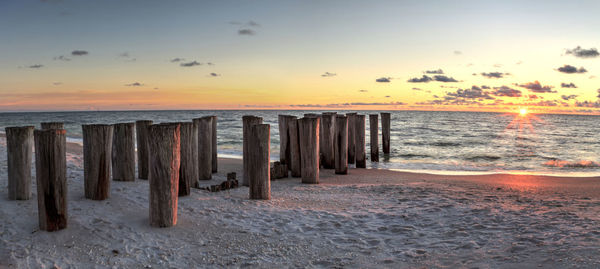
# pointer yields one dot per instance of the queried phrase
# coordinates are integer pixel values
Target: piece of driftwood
(374, 128)
(51, 178)
(247, 121)
(123, 152)
(294, 164)
(326, 141)
(141, 130)
(164, 152)
(309, 146)
(205, 156)
(97, 148)
(278, 170)
(214, 160)
(225, 185)
(385, 131)
(259, 137)
(52, 125)
(341, 145)
(231, 176)
(351, 137)
(19, 145)
(188, 168)
(361, 151)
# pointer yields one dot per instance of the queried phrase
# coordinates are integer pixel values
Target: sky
(380, 55)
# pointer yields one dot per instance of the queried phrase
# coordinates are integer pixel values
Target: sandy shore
(369, 218)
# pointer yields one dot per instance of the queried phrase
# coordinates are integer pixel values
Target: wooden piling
(123, 152)
(19, 144)
(214, 145)
(259, 161)
(164, 163)
(284, 140)
(374, 128)
(295, 165)
(141, 129)
(309, 146)
(351, 137)
(51, 178)
(188, 169)
(341, 144)
(385, 131)
(52, 125)
(204, 125)
(247, 121)
(97, 147)
(327, 137)
(360, 140)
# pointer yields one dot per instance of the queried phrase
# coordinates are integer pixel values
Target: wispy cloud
(36, 66)
(135, 84)
(568, 85)
(383, 80)
(246, 32)
(569, 69)
(439, 71)
(214, 75)
(423, 79)
(494, 74)
(79, 52)
(439, 78)
(568, 97)
(327, 74)
(190, 64)
(126, 56)
(62, 58)
(176, 60)
(583, 53)
(536, 87)
(506, 91)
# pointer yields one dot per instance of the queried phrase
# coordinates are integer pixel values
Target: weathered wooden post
(294, 165)
(164, 152)
(374, 128)
(188, 169)
(204, 147)
(341, 144)
(52, 125)
(247, 121)
(123, 152)
(361, 154)
(214, 145)
(351, 137)
(259, 161)
(51, 178)
(19, 144)
(141, 129)
(309, 147)
(385, 131)
(320, 154)
(327, 137)
(284, 140)
(97, 146)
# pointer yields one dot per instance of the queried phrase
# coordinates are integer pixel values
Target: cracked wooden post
(374, 130)
(295, 165)
(247, 121)
(97, 147)
(284, 138)
(205, 156)
(385, 131)
(214, 145)
(188, 169)
(52, 125)
(360, 154)
(123, 152)
(19, 145)
(51, 178)
(309, 146)
(259, 141)
(327, 135)
(351, 137)
(341, 144)
(141, 129)
(164, 153)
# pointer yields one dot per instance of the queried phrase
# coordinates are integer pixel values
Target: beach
(368, 218)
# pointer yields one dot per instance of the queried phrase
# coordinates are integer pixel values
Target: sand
(369, 218)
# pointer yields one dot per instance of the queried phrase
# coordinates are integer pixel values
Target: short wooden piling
(327, 137)
(259, 161)
(123, 152)
(204, 147)
(284, 138)
(214, 158)
(164, 162)
(360, 140)
(247, 121)
(385, 131)
(295, 165)
(351, 137)
(309, 146)
(52, 125)
(188, 168)
(141, 129)
(19, 144)
(51, 178)
(374, 130)
(341, 144)
(97, 147)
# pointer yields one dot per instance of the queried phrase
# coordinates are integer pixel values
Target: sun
(523, 111)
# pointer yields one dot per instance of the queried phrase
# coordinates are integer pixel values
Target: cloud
(388, 96)
(383, 79)
(351, 104)
(362, 91)
(583, 53)
(190, 64)
(568, 97)
(62, 58)
(135, 84)
(568, 85)
(439, 71)
(442, 78)
(598, 93)
(497, 65)
(327, 74)
(569, 69)
(214, 75)
(506, 91)
(588, 104)
(246, 32)
(36, 66)
(457, 52)
(253, 24)
(473, 93)
(126, 57)
(210, 64)
(176, 60)
(533, 96)
(485, 87)
(423, 79)
(79, 53)
(536, 87)
(494, 74)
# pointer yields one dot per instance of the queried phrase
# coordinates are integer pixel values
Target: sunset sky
(420, 55)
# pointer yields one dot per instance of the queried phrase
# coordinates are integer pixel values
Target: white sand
(370, 218)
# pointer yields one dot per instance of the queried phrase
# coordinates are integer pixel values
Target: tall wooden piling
(214, 159)
(52, 125)
(295, 165)
(19, 144)
(188, 169)
(123, 152)
(385, 131)
(164, 153)
(204, 147)
(351, 137)
(360, 153)
(374, 130)
(97, 147)
(284, 138)
(327, 137)
(341, 144)
(247, 121)
(141, 129)
(259, 161)
(51, 178)
(309, 146)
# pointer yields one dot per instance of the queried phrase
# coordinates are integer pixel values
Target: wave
(574, 164)
(483, 158)
(445, 144)
(409, 156)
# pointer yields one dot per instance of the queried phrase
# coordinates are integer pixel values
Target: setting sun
(523, 111)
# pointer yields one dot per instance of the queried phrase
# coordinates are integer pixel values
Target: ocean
(425, 141)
